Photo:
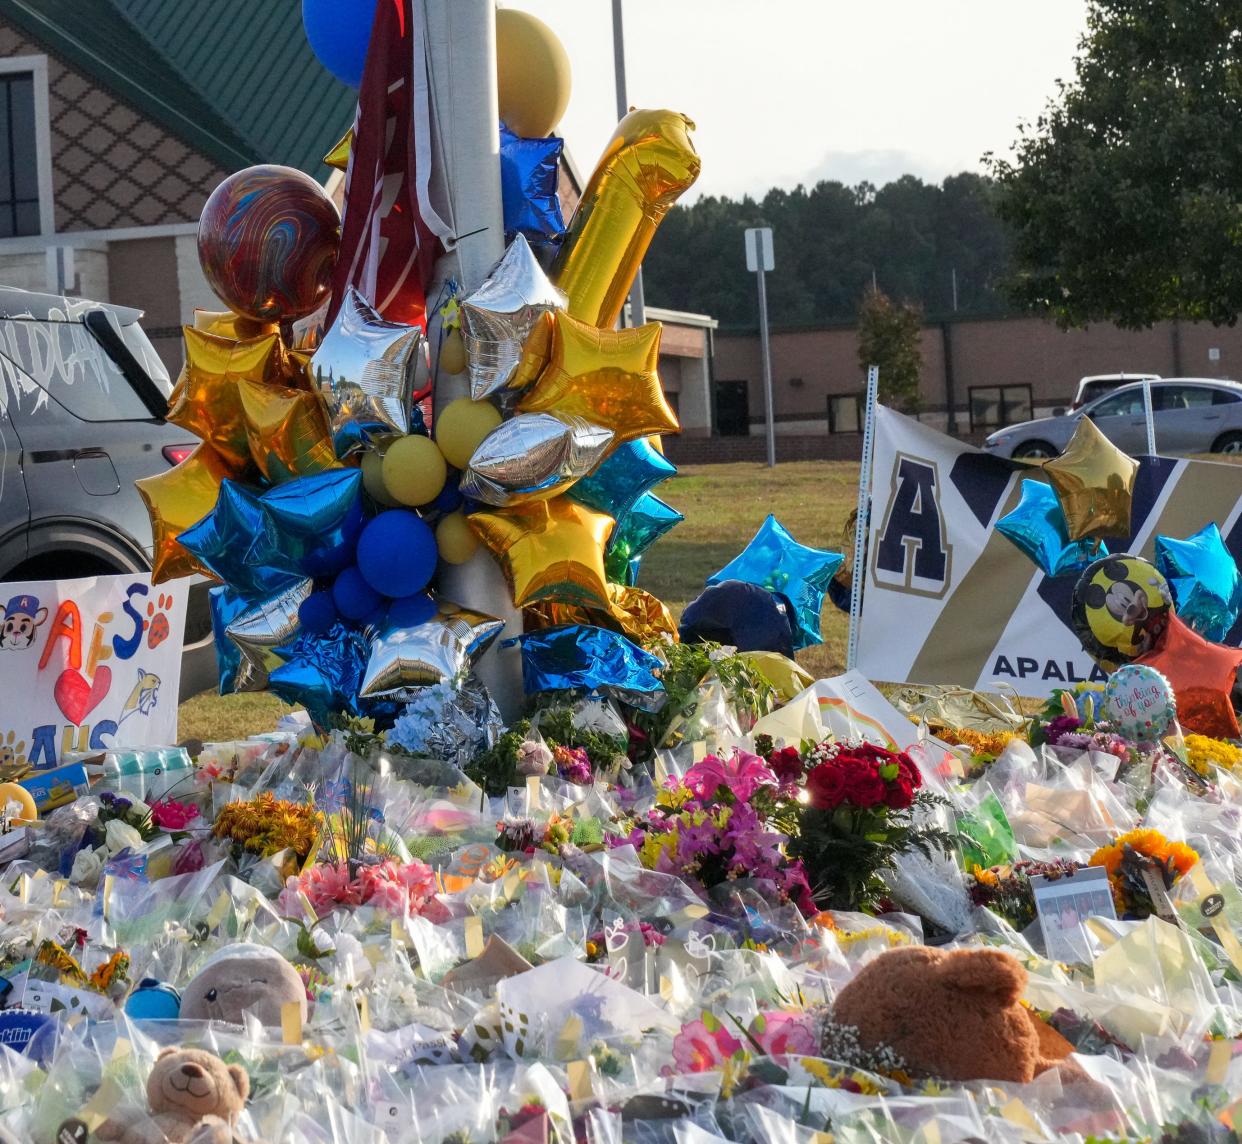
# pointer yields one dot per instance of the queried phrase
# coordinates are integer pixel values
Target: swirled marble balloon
(267, 241)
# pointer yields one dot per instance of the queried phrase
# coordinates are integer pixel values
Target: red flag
(387, 248)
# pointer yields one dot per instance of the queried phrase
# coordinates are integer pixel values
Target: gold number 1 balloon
(648, 163)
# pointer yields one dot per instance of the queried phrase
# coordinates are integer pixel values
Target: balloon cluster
(322, 498)
(1160, 622)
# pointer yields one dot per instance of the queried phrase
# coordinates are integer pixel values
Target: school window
(845, 414)
(19, 156)
(994, 406)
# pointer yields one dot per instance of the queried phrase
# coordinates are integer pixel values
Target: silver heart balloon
(260, 630)
(368, 372)
(498, 316)
(440, 650)
(534, 456)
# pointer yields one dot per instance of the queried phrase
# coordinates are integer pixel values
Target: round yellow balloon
(453, 352)
(414, 470)
(533, 76)
(373, 472)
(13, 793)
(456, 539)
(461, 427)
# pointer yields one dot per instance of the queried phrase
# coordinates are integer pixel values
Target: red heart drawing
(76, 698)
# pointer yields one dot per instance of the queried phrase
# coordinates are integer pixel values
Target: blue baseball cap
(26, 605)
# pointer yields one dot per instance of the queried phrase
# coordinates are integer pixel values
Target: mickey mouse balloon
(1120, 609)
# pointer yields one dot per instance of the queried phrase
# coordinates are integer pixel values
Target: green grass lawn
(723, 506)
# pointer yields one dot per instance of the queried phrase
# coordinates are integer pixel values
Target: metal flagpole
(461, 51)
(862, 520)
(638, 304)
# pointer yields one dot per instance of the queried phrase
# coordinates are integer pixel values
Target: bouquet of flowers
(712, 827)
(1137, 857)
(857, 814)
(400, 888)
(1006, 890)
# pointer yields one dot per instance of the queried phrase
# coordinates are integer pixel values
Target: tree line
(912, 240)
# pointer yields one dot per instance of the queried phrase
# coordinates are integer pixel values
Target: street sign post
(760, 260)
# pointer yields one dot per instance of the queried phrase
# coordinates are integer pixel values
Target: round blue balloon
(318, 612)
(450, 498)
(397, 553)
(339, 32)
(410, 611)
(354, 598)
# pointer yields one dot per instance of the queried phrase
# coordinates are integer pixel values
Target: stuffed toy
(243, 978)
(194, 1097)
(954, 1014)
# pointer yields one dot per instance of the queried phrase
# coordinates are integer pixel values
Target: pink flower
(168, 814)
(778, 1034)
(704, 1045)
(743, 774)
(190, 858)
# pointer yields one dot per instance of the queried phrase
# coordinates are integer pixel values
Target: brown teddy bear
(243, 978)
(951, 1014)
(195, 1098)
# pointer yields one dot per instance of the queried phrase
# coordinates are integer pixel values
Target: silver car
(1191, 414)
(83, 396)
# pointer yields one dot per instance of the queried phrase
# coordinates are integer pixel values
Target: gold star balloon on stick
(206, 400)
(549, 550)
(606, 377)
(1094, 481)
(176, 500)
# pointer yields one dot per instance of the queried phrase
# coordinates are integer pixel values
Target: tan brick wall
(110, 166)
(1013, 351)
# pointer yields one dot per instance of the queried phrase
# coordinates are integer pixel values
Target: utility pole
(638, 307)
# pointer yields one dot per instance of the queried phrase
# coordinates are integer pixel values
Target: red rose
(786, 764)
(865, 787)
(826, 786)
(909, 771)
(899, 793)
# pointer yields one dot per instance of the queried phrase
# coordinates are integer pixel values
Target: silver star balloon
(369, 372)
(498, 316)
(260, 630)
(534, 456)
(443, 649)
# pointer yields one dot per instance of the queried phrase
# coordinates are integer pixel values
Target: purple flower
(1061, 725)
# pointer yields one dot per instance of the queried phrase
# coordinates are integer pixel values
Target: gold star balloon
(549, 550)
(226, 324)
(1094, 481)
(287, 430)
(338, 157)
(636, 614)
(606, 377)
(176, 500)
(206, 400)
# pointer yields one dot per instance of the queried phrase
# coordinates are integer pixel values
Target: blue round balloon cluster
(339, 32)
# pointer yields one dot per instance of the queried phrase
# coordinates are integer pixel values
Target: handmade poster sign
(88, 665)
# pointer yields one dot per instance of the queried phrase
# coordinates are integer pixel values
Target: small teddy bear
(195, 1098)
(242, 978)
(954, 1014)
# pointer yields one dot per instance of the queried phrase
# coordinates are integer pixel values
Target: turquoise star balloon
(634, 468)
(775, 561)
(1037, 526)
(647, 520)
(1204, 577)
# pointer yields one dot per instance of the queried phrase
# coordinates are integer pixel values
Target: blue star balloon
(594, 659)
(777, 562)
(638, 530)
(1037, 526)
(1203, 574)
(315, 521)
(322, 673)
(226, 605)
(633, 469)
(529, 178)
(234, 542)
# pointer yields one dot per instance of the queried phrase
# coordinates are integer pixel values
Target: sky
(793, 91)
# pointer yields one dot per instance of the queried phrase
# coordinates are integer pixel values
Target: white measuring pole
(1151, 419)
(861, 522)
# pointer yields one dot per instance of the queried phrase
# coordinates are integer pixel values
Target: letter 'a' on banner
(948, 599)
(88, 665)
